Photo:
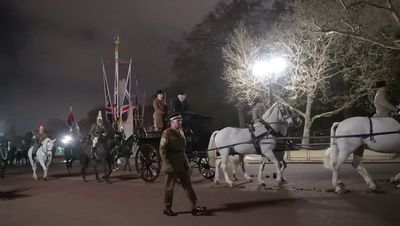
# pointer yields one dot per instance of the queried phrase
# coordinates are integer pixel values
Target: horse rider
(38, 138)
(382, 106)
(119, 135)
(160, 111)
(96, 132)
(176, 165)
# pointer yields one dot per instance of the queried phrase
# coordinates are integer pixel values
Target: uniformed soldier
(38, 138)
(176, 166)
(383, 107)
(96, 132)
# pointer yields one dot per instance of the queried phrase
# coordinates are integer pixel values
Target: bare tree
(316, 60)
(373, 21)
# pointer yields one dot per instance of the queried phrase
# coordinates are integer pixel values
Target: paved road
(304, 200)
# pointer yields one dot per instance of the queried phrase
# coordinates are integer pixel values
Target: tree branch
(360, 37)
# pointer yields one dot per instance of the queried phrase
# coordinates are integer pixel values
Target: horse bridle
(283, 111)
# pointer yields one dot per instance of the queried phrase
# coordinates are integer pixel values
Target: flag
(70, 119)
(107, 98)
(125, 100)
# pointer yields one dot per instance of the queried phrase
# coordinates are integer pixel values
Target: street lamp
(269, 68)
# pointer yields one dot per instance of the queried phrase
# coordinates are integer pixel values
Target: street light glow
(66, 139)
(269, 67)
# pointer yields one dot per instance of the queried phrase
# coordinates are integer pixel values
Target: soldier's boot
(199, 211)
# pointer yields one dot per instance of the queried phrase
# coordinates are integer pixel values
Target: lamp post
(267, 69)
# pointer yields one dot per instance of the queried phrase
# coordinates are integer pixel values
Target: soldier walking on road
(176, 165)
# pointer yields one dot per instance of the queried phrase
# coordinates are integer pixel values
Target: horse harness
(255, 139)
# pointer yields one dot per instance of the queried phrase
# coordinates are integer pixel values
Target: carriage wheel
(205, 169)
(147, 162)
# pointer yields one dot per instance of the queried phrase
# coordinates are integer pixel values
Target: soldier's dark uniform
(97, 130)
(175, 165)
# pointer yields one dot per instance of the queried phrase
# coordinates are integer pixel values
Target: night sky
(50, 51)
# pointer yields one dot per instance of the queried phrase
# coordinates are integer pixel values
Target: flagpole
(116, 79)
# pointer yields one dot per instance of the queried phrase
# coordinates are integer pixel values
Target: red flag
(70, 119)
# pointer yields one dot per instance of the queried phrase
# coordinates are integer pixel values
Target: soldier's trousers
(186, 183)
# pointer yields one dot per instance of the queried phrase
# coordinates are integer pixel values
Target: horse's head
(49, 144)
(289, 115)
(282, 113)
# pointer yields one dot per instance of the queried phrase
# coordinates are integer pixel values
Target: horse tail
(332, 152)
(212, 151)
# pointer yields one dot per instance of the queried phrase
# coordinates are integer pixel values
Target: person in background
(382, 106)
(160, 111)
(181, 103)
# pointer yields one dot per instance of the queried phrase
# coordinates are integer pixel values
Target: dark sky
(50, 51)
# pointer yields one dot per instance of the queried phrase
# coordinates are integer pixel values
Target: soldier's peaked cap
(380, 84)
(174, 116)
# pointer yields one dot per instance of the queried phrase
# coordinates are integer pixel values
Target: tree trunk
(307, 122)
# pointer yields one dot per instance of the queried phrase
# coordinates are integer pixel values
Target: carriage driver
(38, 138)
(383, 107)
(96, 132)
(176, 166)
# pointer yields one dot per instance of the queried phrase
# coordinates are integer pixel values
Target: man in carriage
(96, 132)
(160, 111)
(383, 107)
(38, 138)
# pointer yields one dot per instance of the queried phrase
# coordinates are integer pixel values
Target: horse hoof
(230, 185)
(216, 182)
(376, 191)
(45, 178)
(398, 186)
(262, 184)
(108, 182)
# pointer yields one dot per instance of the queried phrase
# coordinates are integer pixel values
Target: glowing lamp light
(66, 139)
(269, 67)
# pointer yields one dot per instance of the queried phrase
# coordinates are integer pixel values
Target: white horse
(238, 141)
(352, 136)
(44, 155)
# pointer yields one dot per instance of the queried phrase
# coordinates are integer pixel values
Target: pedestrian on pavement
(176, 165)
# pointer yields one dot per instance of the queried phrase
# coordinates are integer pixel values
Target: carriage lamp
(66, 139)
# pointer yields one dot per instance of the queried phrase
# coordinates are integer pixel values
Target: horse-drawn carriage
(197, 131)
